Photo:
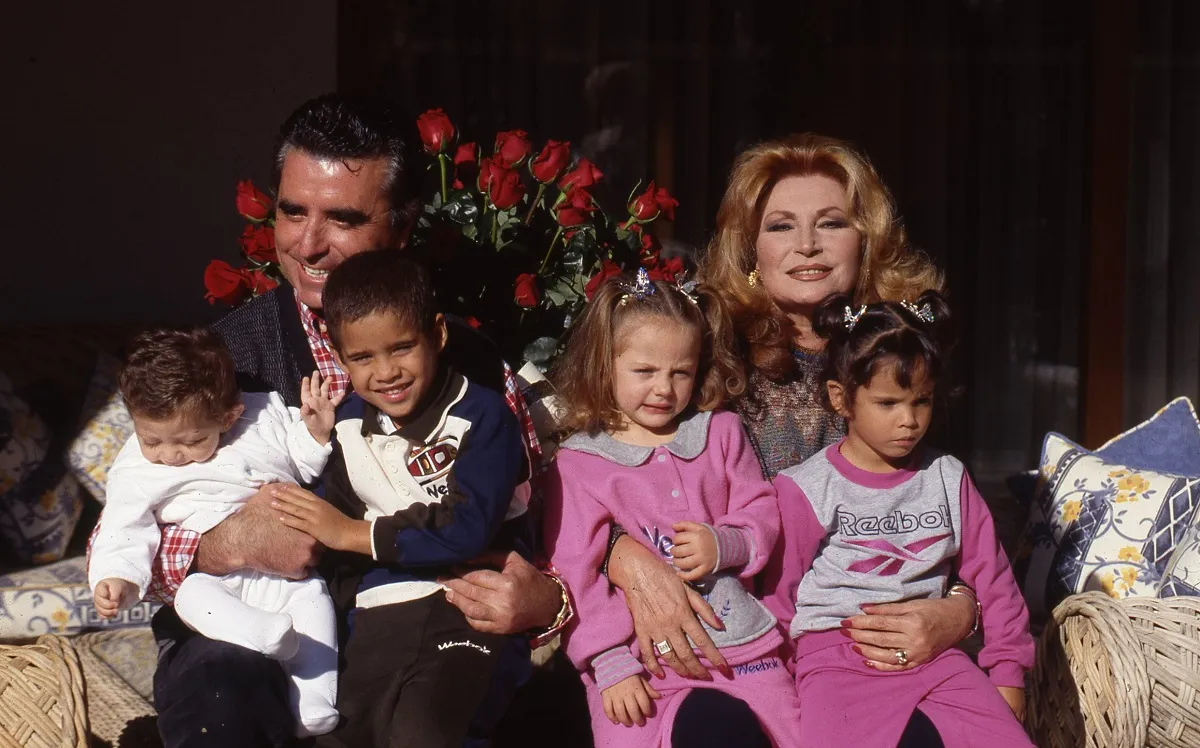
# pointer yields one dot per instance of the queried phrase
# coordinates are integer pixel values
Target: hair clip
(924, 312)
(641, 287)
(688, 289)
(851, 317)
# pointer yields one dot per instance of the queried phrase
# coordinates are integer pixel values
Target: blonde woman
(802, 218)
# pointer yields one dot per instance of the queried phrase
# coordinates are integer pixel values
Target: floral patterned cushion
(39, 503)
(107, 426)
(1100, 525)
(24, 438)
(56, 599)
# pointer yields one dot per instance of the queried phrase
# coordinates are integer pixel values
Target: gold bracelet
(564, 611)
(965, 591)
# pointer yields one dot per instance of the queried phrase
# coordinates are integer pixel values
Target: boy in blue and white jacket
(428, 472)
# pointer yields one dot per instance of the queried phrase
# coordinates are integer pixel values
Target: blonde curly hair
(890, 269)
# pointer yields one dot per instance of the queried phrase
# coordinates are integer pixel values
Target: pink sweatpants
(845, 703)
(764, 684)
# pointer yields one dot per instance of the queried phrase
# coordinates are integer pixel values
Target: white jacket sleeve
(128, 534)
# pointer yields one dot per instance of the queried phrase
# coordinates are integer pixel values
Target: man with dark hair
(344, 185)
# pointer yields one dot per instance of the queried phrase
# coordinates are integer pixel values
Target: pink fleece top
(981, 563)
(707, 474)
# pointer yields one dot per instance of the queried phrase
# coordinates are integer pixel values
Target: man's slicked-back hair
(378, 282)
(340, 127)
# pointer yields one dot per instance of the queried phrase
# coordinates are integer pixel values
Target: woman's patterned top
(787, 421)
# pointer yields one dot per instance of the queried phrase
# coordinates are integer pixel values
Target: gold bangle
(564, 610)
(965, 591)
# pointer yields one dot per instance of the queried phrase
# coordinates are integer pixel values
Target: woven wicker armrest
(1118, 674)
(41, 695)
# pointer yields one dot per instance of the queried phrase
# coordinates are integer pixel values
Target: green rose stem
(442, 158)
(496, 228)
(546, 259)
(533, 206)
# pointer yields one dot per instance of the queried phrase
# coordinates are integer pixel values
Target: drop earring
(753, 278)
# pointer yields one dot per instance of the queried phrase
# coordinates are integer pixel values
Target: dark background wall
(125, 129)
(1044, 153)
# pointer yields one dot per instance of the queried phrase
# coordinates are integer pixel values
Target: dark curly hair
(885, 333)
(172, 371)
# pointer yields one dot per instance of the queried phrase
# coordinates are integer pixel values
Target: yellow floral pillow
(107, 426)
(1099, 525)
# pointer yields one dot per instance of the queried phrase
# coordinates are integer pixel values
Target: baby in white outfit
(200, 450)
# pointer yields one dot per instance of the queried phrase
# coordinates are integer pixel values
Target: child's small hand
(629, 701)
(112, 594)
(695, 550)
(1016, 700)
(317, 407)
(310, 514)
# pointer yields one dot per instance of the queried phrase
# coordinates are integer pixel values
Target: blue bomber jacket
(439, 490)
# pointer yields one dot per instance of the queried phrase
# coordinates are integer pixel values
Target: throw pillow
(107, 425)
(1167, 442)
(1109, 526)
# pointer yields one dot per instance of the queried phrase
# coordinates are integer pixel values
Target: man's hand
(515, 599)
(695, 551)
(1016, 700)
(113, 594)
(629, 701)
(305, 511)
(317, 407)
(254, 538)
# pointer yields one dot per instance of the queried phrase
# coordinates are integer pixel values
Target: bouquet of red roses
(517, 241)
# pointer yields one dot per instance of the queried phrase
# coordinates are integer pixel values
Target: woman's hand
(305, 511)
(922, 628)
(515, 599)
(664, 608)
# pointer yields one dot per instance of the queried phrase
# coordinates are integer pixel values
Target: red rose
(551, 161)
(260, 282)
(607, 270)
(465, 154)
(252, 204)
(502, 186)
(585, 174)
(436, 130)
(525, 291)
(575, 209)
(647, 206)
(225, 283)
(511, 148)
(668, 270)
(258, 243)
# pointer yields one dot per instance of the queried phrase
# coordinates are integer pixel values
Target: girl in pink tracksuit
(640, 378)
(876, 519)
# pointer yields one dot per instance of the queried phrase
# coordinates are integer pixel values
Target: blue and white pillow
(1167, 442)
(1097, 524)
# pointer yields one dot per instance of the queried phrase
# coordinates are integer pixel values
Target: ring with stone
(663, 647)
(901, 657)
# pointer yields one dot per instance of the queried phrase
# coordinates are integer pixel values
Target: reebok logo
(464, 643)
(894, 558)
(896, 523)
